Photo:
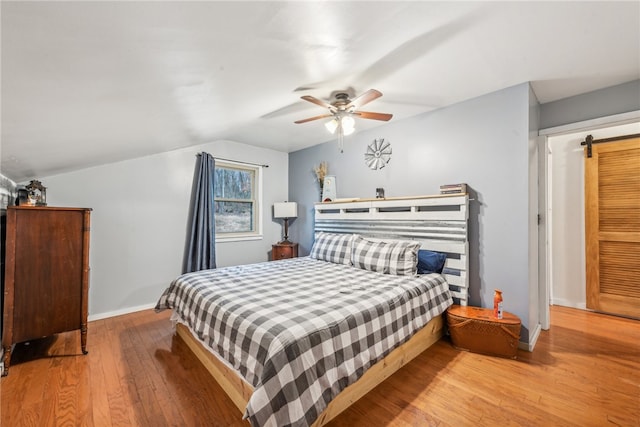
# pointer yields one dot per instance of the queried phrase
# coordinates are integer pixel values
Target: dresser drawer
(284, 251)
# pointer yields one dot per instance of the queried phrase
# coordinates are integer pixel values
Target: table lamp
(285, 210)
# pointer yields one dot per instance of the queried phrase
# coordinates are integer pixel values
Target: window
(236, 201)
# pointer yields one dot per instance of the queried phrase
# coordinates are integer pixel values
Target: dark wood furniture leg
(7, 360)
(83, 338)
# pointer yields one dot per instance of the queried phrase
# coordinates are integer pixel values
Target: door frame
(545, 264)
(544, 232)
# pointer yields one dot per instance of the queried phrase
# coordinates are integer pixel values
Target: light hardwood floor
(585, 371)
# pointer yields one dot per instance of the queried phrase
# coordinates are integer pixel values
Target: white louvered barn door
(612, 209)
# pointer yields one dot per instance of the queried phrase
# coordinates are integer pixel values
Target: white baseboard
(533, 339)
(120, 312)
(568, 303)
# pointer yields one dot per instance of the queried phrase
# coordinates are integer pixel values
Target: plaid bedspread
(301, 330)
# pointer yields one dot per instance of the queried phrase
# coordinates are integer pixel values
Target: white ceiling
(87, 83)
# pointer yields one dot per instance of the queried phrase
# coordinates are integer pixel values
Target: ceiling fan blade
(363, 99)
(296, 107)
(319, 102)
(373, 116)
(313, 118)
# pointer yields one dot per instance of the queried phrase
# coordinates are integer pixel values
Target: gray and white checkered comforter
(301, 330)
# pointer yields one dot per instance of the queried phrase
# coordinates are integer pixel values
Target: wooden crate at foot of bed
(475, 329)
(239, 391)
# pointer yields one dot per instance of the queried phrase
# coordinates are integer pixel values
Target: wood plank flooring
(584, 371)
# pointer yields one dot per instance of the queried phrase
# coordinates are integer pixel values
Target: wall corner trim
(533, 339)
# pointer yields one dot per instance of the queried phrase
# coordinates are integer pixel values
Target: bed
(295, 342)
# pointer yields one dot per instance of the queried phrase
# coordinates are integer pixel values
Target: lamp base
(286, 231)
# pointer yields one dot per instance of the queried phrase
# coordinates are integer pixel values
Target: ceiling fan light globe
(331, 125)
(348, 125)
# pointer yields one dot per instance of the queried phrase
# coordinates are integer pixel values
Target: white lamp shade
(285, 210)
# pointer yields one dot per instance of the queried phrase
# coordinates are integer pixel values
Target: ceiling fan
(343, 110)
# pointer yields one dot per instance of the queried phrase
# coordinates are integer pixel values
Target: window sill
(238, 238)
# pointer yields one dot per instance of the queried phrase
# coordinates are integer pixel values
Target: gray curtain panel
(200, 249)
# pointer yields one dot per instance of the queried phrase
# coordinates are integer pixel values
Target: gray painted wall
(613, 100)
(484, 142)
(138, 223)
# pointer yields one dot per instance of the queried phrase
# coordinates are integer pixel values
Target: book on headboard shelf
(453, 188)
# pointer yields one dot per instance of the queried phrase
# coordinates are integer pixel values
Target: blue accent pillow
(430, 262)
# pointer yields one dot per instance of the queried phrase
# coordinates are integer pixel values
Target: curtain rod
(237, 161)
(589, 141)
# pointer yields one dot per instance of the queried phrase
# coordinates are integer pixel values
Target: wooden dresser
(46, 274)
(284, 250)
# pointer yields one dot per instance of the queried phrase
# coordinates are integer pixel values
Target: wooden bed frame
(438, 222)
(239, 391)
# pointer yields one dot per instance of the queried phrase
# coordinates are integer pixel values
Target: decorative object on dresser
(22, 197)
(284, 250)
(285, 211)
(46, 274)
(37, 193)
(477, 330)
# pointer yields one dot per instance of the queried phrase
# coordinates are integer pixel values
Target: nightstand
(284, 250)
(476, 330)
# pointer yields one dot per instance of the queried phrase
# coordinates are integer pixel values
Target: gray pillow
(398, 258)
(332, 247)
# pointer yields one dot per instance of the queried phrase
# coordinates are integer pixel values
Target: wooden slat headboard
(439, 223)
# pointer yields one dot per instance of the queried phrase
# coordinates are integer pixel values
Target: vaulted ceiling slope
(88, 83)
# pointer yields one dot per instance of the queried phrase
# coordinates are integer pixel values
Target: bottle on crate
(497, 304)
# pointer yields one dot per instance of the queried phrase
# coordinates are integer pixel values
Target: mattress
(301, 330)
